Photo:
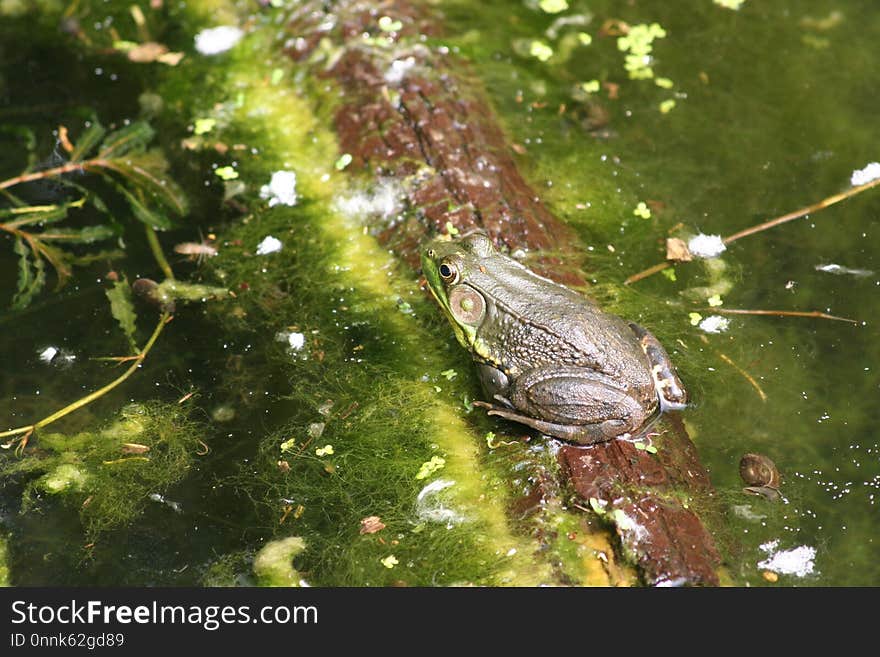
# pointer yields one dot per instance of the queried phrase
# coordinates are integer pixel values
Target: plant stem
(784, 313)
(650, 271)
(797, 214)
(748, 377)
(88, 399)
(57, 171)
(156, 248)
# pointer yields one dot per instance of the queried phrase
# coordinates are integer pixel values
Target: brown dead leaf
(134, 448)
(612, 88)
(146, 52)
(63, 139)
(151, 51)
(371, 525)
(677, 250)
(170, 59)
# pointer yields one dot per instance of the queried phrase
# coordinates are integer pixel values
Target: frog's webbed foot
(585, 434)
(671, 392)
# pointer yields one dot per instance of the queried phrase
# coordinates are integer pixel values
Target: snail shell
(757, 470)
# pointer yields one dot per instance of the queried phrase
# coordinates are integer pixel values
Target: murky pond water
(734, 117)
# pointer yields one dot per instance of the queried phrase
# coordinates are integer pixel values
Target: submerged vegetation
(109, 475)
(122, 161)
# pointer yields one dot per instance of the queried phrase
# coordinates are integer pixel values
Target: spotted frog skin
(547, 356)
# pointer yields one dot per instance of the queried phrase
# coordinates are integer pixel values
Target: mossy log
(412, 113)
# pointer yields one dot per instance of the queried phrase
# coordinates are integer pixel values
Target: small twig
(28, 430)
(747, 376)
(797, 214)
(56, 171)
(650, 271)
(784, 313)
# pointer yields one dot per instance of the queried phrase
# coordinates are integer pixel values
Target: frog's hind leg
(585, 434)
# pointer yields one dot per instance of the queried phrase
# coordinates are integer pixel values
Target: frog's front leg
(573, 403)
(670, 389)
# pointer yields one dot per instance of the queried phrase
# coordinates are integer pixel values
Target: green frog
(548, 357)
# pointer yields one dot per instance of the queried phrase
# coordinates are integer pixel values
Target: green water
(773, 111)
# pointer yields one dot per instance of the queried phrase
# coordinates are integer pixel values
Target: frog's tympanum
(547, 356)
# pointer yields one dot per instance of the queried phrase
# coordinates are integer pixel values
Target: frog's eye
(448, 272)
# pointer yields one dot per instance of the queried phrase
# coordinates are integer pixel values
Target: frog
(547, 356)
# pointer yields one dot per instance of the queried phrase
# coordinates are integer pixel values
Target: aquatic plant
(122, 161)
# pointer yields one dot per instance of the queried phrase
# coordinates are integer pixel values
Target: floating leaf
(666, 106)
(87, 141)
(390, 561)
(642, 210)
(122, 309)
(226, 173)
(553, 6)
(540, 50)
(388, 24)
(204, 126)
(430, 467)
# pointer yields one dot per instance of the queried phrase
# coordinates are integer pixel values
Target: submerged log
(412, 118)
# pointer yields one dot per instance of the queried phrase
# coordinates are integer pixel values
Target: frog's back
(543, 322)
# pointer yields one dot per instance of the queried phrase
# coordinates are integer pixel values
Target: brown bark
(411, 114)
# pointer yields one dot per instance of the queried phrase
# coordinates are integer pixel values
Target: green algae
(345, 296)
(765, 128)
(4, 560)
(272, 564)
(331, 283)
(108, 475)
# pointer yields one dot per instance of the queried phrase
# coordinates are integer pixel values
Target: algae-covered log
(410, 115)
